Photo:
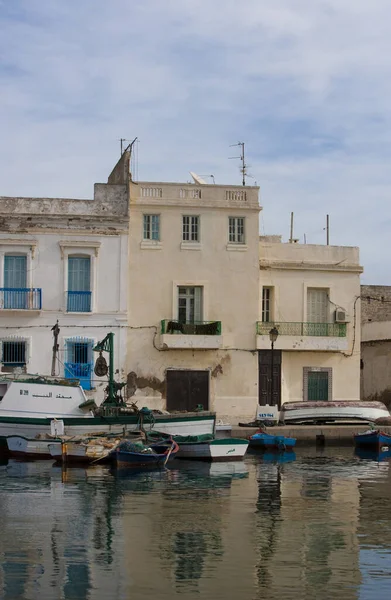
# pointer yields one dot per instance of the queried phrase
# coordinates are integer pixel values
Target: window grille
(14, 353)
(152, 227)
(236, 230)
(78, 360)
(190, 228)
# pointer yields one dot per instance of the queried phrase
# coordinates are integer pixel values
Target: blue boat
(373, 454)
(374, 438)
(137, 454)
(266, 440)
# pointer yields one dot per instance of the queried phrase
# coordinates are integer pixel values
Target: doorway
(265, 378)
(187, 390)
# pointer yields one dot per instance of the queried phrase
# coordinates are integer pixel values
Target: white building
(64, 259)
(311, 294)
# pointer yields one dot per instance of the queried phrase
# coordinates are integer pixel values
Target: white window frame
(191, 283)
(198, 311)
(148, 237)
(269, 302)
(16, 339)
(193, 227)
(233, 230)
(83, 249)
(22, 248)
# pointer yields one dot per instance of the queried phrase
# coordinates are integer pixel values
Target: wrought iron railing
(79, 302)
(305, 329)
(21, 298)
(195, 328)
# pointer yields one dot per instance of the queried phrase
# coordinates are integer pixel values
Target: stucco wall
(229, 277)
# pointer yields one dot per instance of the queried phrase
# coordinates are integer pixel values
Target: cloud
(306, 85)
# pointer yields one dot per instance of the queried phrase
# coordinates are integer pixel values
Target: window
(267, 296)
(14, 353)
(189, 304)
(152, 227)
(318, 311)
(78, 361)
(190, 228)
(79, 284)
(15, 281)
(236, 230)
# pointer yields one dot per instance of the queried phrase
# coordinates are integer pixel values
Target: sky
(306, 85)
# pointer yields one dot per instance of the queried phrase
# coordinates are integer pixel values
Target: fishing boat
(33, 406)
(373, 454)
(137, 454)
(88, 451)
(373, 439)
(268, 441)
(206, 447)
(322, 412)
(35, 449)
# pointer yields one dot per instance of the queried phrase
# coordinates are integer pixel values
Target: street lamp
(273, 335)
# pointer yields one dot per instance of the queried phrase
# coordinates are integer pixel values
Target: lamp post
(273, 335)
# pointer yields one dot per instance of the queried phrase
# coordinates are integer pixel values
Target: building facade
(376, 343)
(311, 295)
(193, 297)
(65, 260)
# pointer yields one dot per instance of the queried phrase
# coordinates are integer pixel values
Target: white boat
(21, 447)
(209, 448)
(33, 406)
(313, 412)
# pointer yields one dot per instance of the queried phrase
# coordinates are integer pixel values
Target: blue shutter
(15, 278)
(78, 361)
(79, 284)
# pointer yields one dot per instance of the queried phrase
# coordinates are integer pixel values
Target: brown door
(186, 390)
(265, 378)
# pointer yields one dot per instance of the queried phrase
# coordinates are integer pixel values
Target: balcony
(21, 299)
(203, 335)
(79, 302)
(326, 337)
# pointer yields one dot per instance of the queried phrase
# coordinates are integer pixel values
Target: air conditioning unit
(340, 316)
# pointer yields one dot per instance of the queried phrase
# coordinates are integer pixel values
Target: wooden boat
(136, 455)
(22, 447)
(206, 447)
(322, 412)
(373, 454)
(88, 451)
(34, 406)
(268, 441)
(373, 439)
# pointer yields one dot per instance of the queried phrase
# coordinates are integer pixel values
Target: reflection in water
(315, 524)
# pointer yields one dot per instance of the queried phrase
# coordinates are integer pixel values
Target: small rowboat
(276, 442)
(22, 447)
(374, 439)
(205, 447)
(136, 454)
(336, 410)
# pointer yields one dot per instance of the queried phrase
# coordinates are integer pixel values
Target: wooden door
(265, 378)
(186, 390)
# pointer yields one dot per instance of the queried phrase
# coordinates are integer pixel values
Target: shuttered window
(15, 272)
(79, 274)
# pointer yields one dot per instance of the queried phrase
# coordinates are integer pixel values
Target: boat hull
(310, 412)
(215, 450)
(374, 440)
(173, 424)
(21, 447)
(267, 441)
(165, 454)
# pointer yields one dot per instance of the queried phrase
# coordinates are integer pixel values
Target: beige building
(310, 294)
(193, 297)
(376, 343)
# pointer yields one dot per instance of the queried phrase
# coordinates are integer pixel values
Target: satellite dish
(198, 179)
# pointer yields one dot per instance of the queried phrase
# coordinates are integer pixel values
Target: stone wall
(375, 303)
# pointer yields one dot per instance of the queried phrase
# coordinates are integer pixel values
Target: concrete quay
(322, 435)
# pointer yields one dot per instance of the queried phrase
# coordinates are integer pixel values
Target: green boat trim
(107, 420)
(227, 441)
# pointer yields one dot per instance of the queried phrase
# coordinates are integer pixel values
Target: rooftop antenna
(243, 168)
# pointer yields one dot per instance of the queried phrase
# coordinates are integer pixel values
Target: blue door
(15, 281)
(78, 361)
(79, 284)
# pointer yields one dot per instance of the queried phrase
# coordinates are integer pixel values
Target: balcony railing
(21, 298)
(195, 328)
(304, 329)
(79, 302)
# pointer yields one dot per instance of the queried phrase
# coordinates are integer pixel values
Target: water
(314, 525)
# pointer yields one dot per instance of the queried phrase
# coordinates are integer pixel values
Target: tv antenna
(243, 168)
